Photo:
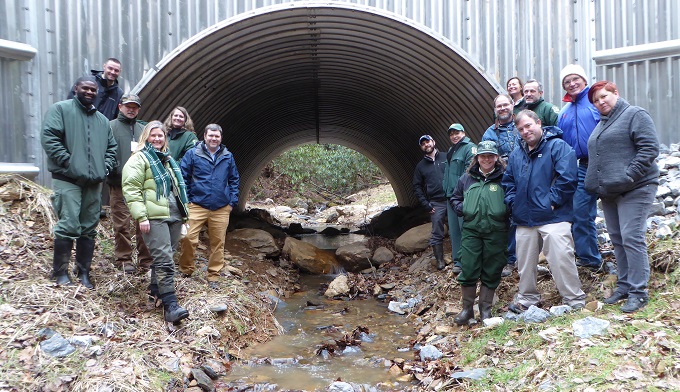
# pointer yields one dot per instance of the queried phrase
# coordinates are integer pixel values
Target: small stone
(57, 346)
(218, 308)
(207, 369)
(397, 307)
(663, 231)
(234, 271)
(83, 341)
(203, 380)
(560, 310)
(590, 326)
(172, 364)
(493, 321)
(339, 386)
(338, 287)
(535, 315)
(475, 374)
(430, 352)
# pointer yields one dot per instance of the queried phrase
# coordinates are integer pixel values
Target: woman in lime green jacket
(156, 196)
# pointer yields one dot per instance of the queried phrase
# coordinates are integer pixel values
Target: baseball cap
(487, 147)
(456, 127)
(423, 138)
(131, 98)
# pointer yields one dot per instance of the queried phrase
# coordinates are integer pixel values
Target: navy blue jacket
(537, 181)
(211, 184)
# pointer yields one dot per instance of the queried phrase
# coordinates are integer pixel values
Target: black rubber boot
(485, 302)
(172, 312)
(62, 256)
(469, 294)
(84, 253)
(438, 251)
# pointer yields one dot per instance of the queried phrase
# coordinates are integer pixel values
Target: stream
(291, 361)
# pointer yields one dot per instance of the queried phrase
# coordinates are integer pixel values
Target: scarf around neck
(161, 176)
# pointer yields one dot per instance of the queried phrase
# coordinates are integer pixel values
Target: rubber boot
(485, 302)
(438, 251)
(172, 312)
(62, 256)
(84, 253)
(469, 294)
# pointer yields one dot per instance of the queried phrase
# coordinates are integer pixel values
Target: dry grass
(140, 353)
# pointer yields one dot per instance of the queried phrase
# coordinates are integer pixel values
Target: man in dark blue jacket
(428, 186)
(577, 120)
(212, 182)
(539, 185)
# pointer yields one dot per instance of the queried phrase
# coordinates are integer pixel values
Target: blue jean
(512, 244)
(455, 232)
(583, 230)
(438, 220)
(626, 217)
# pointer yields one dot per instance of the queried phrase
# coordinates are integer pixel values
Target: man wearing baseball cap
(126, 130)
(577, 120)
(427, 185)
(458, 159)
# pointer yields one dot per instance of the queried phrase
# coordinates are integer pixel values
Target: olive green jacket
(78, 142)
(458, 159)
(139, 190)
(179, 142)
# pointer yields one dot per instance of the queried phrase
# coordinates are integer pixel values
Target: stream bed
(308, 357)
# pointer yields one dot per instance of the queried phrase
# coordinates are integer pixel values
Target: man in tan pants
(212, 180)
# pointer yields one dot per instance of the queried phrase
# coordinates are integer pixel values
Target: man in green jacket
(81, 151)
(533, 100)
(126, 130)
(457, 161)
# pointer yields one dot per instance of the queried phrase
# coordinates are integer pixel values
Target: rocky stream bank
(113, 338)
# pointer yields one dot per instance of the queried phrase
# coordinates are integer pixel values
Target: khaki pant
(558, 247)
(217, 222)
(122, 235)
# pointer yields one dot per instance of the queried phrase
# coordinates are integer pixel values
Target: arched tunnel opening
(347, 75)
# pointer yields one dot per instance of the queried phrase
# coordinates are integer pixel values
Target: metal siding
(652, 84)
(525, 38)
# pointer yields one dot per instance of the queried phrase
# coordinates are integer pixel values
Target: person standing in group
(533, 100)
(181, 134)
(515, 90)
(212, 183)
(622, 171)
(479, 199)
(126, 131)
(577, 119)
(539, 185)
(81, 151)
(506, 137)
(109, 92)
(428, 186)
(458, 158)
(156, 195)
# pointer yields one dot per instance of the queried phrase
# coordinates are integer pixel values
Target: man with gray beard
(504, 133)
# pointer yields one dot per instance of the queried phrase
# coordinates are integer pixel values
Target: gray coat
(622, 151)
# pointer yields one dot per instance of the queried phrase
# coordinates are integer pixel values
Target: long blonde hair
(188, 123)
(141, 143)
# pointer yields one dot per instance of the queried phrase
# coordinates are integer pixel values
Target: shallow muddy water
(332, 242)
(291, 360)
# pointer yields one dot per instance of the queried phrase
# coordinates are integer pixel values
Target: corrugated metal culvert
(371, 75)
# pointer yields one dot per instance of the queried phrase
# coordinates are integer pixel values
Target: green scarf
(161, 175)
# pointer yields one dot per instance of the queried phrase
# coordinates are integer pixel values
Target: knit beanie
(573, 69)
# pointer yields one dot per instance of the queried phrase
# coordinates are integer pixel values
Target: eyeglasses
(575, 79)
(502, 105)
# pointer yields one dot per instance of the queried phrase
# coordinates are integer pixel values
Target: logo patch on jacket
(493, 188)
